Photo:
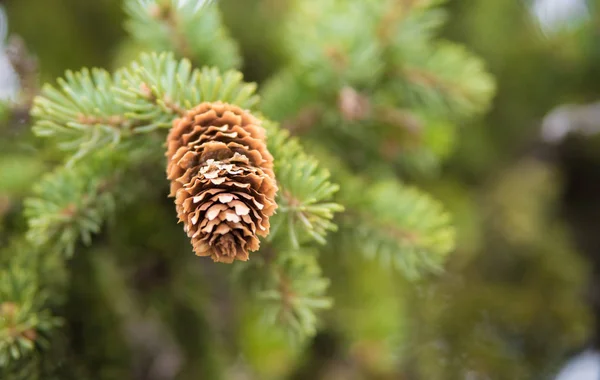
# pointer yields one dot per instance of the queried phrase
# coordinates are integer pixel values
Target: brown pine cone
(222, 179)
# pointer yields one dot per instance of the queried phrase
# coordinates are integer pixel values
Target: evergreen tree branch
(398, 225)
(94, 109)
(411, 70)
(294, 291)
(26, 322)
(191, 28)
(82, 114)
(305, 192)
(445, 79)
(157, 88)
(401, 227)
(71, 204)
(290, 289)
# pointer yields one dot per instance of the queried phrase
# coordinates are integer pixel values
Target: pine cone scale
(222, 180)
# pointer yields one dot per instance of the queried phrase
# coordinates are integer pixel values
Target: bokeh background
(521, 293)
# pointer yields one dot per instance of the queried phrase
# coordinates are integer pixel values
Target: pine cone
(222, 179)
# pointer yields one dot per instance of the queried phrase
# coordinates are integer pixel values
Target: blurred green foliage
(507, 306)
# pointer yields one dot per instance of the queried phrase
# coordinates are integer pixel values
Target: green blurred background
(519, 293)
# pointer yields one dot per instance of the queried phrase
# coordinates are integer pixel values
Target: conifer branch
(70, 205)
(305, 207)
(446, 79)
(192, 29)
(398, 225)
(157, 88)
(403, 228)
(25, 320)
(290, 289)
(293, 293)
(94, 109)
(83, 114)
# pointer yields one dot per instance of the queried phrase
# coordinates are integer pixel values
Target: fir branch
(296, 291)
(350, 42)
(290, 290)
(25, 321)
(399, 225)
(191, 28)
(93, 109)
(447, 78)
(157, 88)
(305, 192)
(411, 68)
(403, 228)
(71, 204)
(341, 47)
(82, 115)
